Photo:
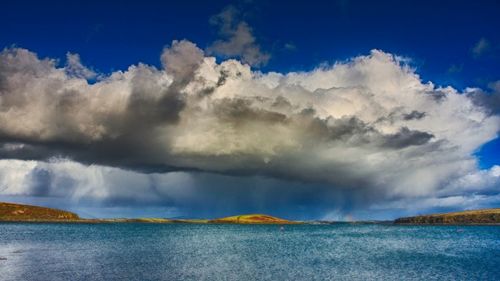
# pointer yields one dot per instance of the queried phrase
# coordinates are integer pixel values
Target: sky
(331, 110)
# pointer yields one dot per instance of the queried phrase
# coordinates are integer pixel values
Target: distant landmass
(485, 216)
(20, 212)
(253, 219)
(10, 212)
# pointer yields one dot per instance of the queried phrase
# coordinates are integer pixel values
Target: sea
(344, 251)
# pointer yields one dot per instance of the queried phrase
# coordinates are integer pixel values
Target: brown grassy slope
(18, 212)
(252, 219)
(485, 216)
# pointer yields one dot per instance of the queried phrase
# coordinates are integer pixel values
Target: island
(253, 219)
(484, 216)
(11, 212)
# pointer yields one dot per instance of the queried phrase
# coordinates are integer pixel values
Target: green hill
(485, 216)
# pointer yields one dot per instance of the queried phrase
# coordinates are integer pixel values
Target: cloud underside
(367, 128)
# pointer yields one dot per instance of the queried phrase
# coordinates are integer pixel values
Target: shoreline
(133, 221)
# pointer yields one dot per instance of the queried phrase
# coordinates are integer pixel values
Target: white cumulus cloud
(369, 125)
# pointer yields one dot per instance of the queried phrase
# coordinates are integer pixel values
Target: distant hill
(19, 212)
(140, 220)
(11, 212)
(252, 219)
(485, 216)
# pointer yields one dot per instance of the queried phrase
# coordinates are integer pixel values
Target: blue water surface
(137, 251)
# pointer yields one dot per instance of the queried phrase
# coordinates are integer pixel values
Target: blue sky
(439, 37)
(450, 43)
